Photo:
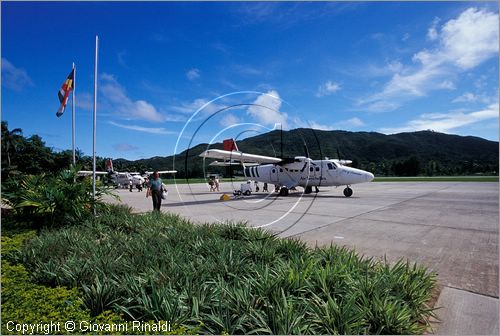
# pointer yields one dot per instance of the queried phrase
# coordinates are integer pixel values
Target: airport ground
(449, 227)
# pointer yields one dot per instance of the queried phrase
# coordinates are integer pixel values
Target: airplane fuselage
(305, 172)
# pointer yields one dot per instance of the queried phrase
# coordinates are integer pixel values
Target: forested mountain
(404, 154)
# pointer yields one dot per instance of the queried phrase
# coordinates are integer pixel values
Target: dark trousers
(156, 196)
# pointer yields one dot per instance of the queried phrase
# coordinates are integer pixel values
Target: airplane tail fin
(230, 145)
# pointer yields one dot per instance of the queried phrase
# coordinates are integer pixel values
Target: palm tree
(10, 140)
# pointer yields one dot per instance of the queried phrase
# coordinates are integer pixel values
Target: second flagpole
(95, 119)
(73, 114)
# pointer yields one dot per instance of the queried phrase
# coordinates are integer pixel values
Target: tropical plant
(227, 278)
(10, 143)
(53, 200)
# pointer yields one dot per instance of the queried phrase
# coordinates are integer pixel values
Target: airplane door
(316, 172)
(332, 170)
(274, 177)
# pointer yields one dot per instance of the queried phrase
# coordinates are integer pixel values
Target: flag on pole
(109, 165)
(64, 92)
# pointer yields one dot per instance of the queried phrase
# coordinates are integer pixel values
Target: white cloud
(121, 59)
(84, 101)
(247, 70)
(193, 106)
(481, 82)
(15, 78)
(124, 106)
(327, 88)
(471, 38)
(299, 123)
(193, 74)
(354, 122)
(151, 130)
(432, 33)
(388, 69)
(462, 44)
(266, 109)
(343, 124)
(445, 122)
(469, 97)
(382, 106)
(446, 84)
(466, 97)
(229, 120)
(159, 37)
(124, 147)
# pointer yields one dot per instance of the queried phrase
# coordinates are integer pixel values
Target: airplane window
(281, 170)
(331, 166)
(286, 169)
(317, 168)
(274, 170)
(311, 169)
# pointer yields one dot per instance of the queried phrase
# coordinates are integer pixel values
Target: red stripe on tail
(230, 145)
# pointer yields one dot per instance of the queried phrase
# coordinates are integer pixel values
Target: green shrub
(226, 278)
(46, 200)
(26, 302)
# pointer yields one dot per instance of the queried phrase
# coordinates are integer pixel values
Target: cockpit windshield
(331, 165)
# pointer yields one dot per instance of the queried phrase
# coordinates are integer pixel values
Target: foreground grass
(438, 179)
(225, 278)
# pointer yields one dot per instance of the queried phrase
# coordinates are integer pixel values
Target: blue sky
(174, 74)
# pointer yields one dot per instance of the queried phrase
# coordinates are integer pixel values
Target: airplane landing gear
(347, 192)
(308, 190)
(284, 191)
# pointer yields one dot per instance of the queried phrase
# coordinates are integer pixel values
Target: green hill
(404, 154)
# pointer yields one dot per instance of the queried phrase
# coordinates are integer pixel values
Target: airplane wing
(230, 163)
(238, 156)
(89, 172)
(162, 172)
(343, 162)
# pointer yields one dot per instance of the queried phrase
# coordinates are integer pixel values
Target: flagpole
(73, 109)
(95, 113)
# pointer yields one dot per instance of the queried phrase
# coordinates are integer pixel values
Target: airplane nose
(369, 177)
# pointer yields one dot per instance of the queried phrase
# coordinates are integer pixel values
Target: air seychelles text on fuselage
(303, 178)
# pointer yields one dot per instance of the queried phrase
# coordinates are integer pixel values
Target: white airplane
(291, 172)
(123, 179)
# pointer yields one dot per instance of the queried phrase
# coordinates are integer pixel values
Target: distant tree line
(406, 154)
(29, 155)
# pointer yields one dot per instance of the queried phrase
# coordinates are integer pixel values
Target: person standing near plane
(216, 183)
(155, 190)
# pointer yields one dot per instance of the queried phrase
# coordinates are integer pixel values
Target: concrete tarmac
(449, 227)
